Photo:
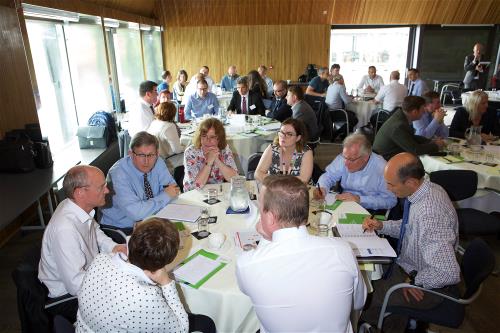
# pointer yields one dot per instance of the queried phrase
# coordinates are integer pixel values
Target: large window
(357, 49)
(151, 42)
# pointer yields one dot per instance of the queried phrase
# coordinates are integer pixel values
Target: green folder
(355, 218)
(209, 255)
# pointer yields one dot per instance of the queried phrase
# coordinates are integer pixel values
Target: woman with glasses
(208, 160)
(288, 154)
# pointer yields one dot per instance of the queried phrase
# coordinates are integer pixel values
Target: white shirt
(392, 95)
(140, 118)
(376, 83)
(302, 283)
(167, 135)
(117, 296)
(68, 248)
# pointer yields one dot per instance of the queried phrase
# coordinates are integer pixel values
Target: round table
(363, 110)
(220, 297)
(493, 96)
(242, 142)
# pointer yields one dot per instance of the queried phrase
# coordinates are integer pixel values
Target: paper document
(198, 268)
(366, 244)
(248, 238)
(274, 126)
(178, 212)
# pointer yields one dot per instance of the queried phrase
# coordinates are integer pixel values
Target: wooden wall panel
(16, 94)
(288, 48)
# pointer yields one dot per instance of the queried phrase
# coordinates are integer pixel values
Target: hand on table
(172, 190)
(121, 248)
(413, 293)
(369, 89)
(346, 196)
(159, 276)
(319, 193)
(371, 224)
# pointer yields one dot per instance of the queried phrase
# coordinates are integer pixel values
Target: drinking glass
(212, 196)
(203, 222)
(323, 230)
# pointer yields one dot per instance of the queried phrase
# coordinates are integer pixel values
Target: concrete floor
(481, 316)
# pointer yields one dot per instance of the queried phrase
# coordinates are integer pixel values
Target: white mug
(216, 240)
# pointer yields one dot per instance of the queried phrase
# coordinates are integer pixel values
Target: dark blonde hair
(166, 111)
(153, 244)
(300, 129)
(203, 129)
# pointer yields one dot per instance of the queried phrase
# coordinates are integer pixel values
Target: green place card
(209, 255)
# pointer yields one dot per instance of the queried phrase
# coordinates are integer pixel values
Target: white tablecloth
(493, 96)
(242, 145)
(220, 297)
(363, 110)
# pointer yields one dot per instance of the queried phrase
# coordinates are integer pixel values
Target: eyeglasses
(287, 134)
(278, 91)
(206, 137)
(145, 156)
(352, 160)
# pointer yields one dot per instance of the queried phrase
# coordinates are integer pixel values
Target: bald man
(475, 74)
(228, 82)
(427, 237)
(393, 94)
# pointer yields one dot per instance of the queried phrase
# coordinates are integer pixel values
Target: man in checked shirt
(427, 238)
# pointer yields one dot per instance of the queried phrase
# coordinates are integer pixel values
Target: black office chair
(253, 162)
(118, 236)
(379, 118)
(477, 264)
(343, 122)
(317, 172)
(32, 295)
(460, 185)
(179, 176)
(63, 325)
(324, 122)
(451, 92)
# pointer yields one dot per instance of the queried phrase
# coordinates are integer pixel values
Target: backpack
(103, 118)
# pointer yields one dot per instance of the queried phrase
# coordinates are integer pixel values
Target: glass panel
(356, 49)
(89, 73)
(127, 44)
(153, 54)
(57, 110)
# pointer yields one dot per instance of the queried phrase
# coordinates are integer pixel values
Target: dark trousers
(66, 309)
(398, 323)
(201, 323)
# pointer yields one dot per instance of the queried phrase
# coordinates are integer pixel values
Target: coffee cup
(216, 240)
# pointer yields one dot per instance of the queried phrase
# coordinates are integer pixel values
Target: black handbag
(43, 156)
(17, 154)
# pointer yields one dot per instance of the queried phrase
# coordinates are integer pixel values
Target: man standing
(416, 86)
(245, 101)
(143, 114)
(279, 109)
(269, 83)
(397, 134)
(475, 74)
(228, 82)
(303, 111)
(298, 282)
(73, 239)
(391, 95)
(372, 82)
(201, 102)
(360, 172)
(427, 237)
(319, 84)
(140, 185)
(432, 122)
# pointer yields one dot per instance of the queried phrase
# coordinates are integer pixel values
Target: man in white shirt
(393, 94)
(143, 114)
(73, 238)
(298, 282)
(205, 70)
(372, 82)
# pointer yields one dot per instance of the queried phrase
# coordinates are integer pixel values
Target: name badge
(210, 106)
(252, 107)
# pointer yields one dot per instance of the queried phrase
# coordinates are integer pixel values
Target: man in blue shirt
(202, 102)
(432, 122)
(140, 185)
(228, 82)
(319, 84)
(361, 176)
(416, 86)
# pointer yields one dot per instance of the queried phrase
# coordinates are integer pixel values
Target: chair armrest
(59, 301)
(117, 231)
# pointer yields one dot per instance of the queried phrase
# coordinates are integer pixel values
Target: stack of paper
(178, 212)
(365, 244)
(274, 126)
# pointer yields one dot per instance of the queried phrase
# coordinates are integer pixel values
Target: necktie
(410, 91)
(277, 105)
(244, 105)
(152, 109)
(402, 230)
(147, 188)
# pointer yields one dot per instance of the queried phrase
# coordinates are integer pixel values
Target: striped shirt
(430, 238)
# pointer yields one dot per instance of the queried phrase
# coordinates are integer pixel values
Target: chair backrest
(477, 264)
(179, 176)
(317, 172)
(379, 118)
(459, 184)
(253, 162)
(116, 235)
(31, 293)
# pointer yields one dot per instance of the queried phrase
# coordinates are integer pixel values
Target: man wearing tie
(140, 185)
(142, 114)
(427, 236)
(73, 239)
(279, 109)
(245, 101)
(416, 86)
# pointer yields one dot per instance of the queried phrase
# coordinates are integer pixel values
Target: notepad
(365, 244)
(198, 268)
(178, 212)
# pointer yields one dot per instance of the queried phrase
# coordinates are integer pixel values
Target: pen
(319, 189)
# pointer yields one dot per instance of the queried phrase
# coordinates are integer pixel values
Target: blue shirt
(428, 126)
(197, 106)
(319, 85)
(128, 198)
(367, 183)
(162, 86)
(417, 88)
(228, 83)
(335, 95)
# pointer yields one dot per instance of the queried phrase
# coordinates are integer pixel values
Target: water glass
(203, 222)
(323, 230)
(212, 196)
(489, 157)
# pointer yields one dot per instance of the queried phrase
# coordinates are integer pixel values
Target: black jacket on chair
(253, 99)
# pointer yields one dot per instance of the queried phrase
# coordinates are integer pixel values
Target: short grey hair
(143, 139)
(242, 80)
(75, 177)
(365, 147)
(322, 70)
